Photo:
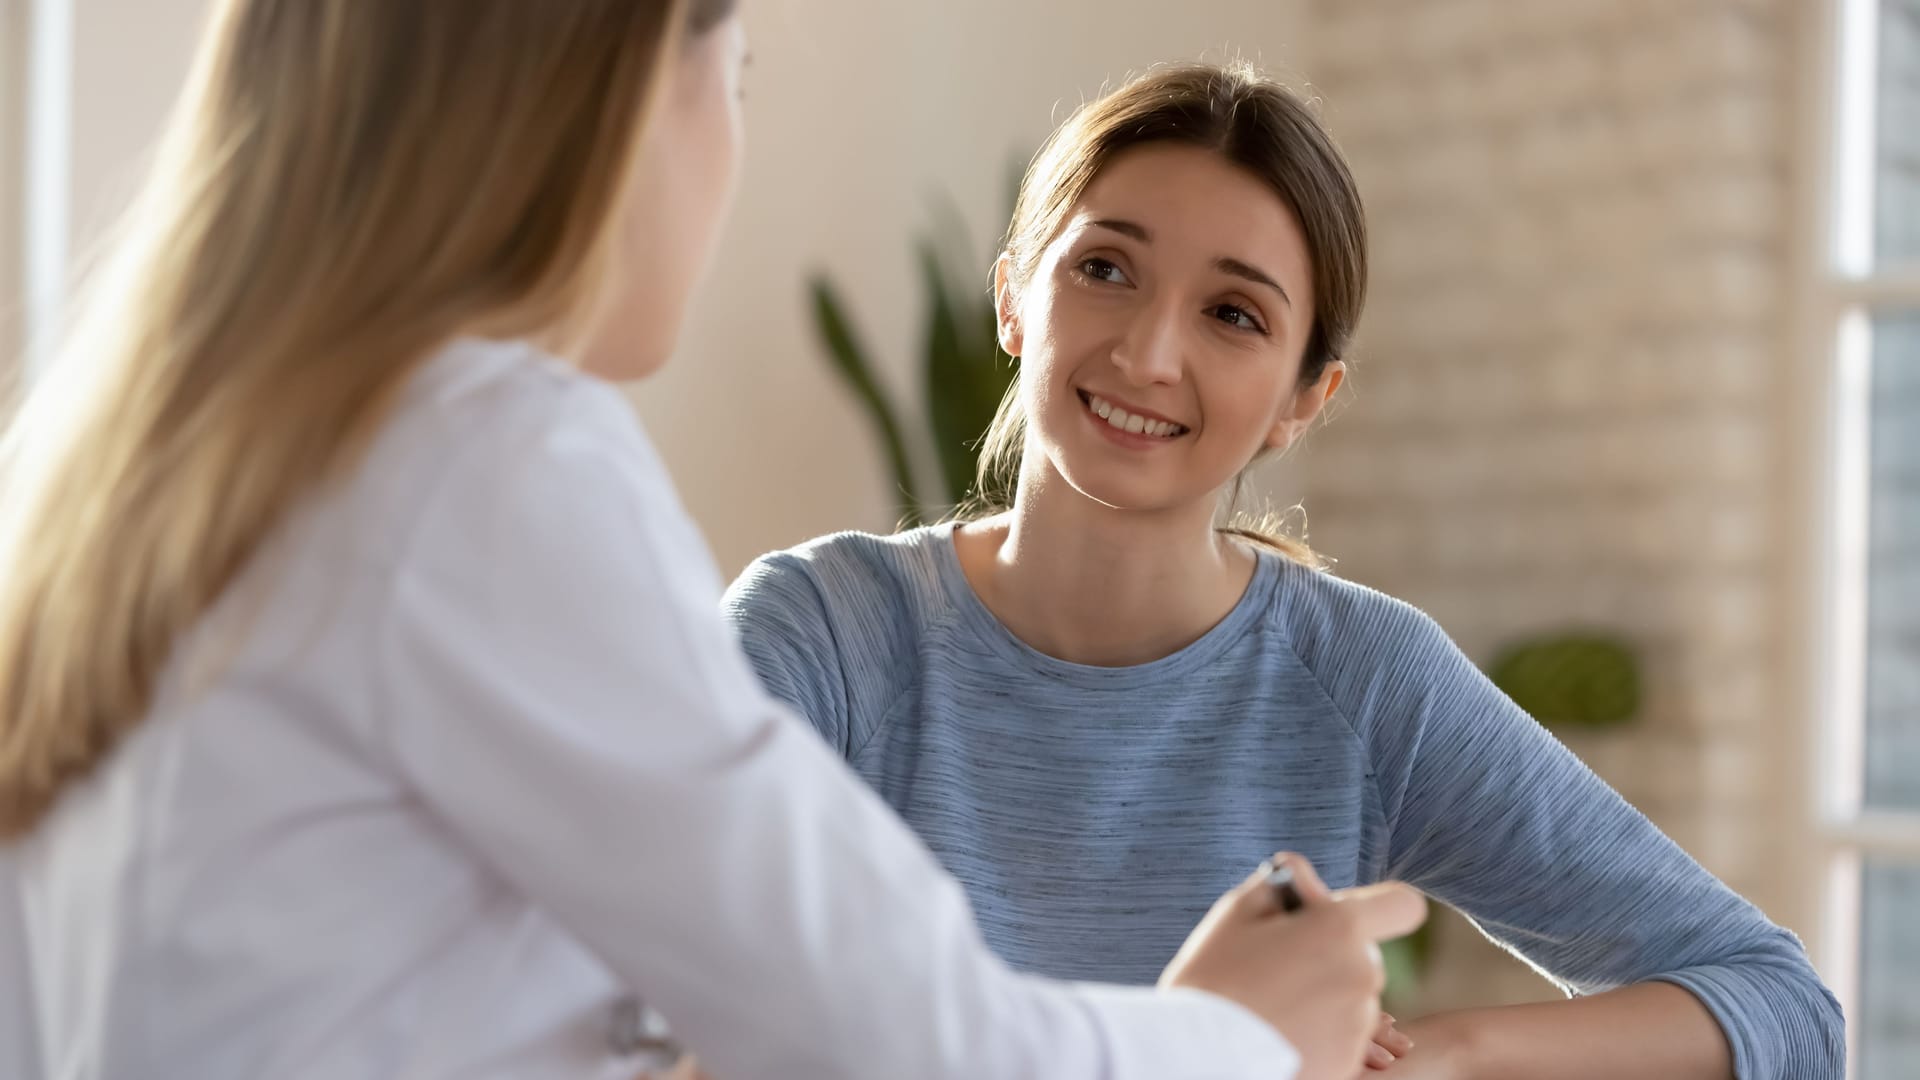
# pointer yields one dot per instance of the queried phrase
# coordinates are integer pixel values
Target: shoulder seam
(1278, 623)
(906, 689)
(804, 568)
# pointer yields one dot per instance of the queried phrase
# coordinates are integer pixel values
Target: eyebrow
(1254, 274)
(1124, 228)
(1224, 264)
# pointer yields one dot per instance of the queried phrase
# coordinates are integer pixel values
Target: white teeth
(1126, 421)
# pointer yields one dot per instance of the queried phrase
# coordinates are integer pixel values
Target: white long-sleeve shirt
(466, 756)
(19, 1052)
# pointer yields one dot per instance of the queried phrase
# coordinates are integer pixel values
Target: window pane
(1897, 227)
(1888, 1024)
(1893, 568)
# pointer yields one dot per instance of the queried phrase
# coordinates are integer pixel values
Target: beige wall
(103, 104)
(128, 61)
(15, 30)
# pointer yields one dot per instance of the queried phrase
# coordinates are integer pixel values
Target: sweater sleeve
(1491, 814)
(781, 619)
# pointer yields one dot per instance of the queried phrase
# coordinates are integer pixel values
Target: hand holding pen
(1304, 959)
(1284, 883)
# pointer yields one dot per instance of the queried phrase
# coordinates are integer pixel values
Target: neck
(1090, 584)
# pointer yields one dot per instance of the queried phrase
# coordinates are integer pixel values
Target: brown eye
(1236, 316)
(1103, 270)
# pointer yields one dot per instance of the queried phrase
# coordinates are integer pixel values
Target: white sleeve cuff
(1154, 1035)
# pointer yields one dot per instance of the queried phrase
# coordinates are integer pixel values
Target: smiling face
(1162, 329)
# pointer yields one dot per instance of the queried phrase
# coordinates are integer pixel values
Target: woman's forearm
(1647, 1030)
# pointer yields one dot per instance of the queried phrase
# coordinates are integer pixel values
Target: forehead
(1196, 203)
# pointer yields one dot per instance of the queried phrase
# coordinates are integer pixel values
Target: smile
(1131, 423)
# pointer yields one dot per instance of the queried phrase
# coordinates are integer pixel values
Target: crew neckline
(973, 615)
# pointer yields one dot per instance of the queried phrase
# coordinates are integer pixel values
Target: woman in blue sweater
(1097, 705)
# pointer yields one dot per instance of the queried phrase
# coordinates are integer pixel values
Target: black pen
(1285, 892)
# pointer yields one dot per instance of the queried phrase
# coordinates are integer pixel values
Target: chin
(1130, 493)
(625, 361)
(628, 371)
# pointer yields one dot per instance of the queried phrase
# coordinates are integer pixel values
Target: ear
(1006, 303)
(1299, 414)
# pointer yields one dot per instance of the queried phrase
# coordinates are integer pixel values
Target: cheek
(724, 131)
(690, 173)
(1245, 406)
(1049, 354)
(1060, 333)
(702, 182)
(697, 145)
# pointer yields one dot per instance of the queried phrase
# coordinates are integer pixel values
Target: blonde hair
(344, 187)
(1250, 120)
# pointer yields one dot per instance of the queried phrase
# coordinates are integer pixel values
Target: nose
(1152, 351)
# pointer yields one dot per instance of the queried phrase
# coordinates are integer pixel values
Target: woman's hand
(1390, 1044)
(1314, 974)
(1436, 1048)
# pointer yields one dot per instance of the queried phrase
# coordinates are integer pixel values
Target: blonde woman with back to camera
(367, 711)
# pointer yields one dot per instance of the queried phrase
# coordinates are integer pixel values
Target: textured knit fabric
(1094, 813)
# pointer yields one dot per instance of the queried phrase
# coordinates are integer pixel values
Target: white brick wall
(1569, 368)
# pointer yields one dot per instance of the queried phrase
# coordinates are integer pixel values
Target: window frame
(1841, 290)
(14, 55)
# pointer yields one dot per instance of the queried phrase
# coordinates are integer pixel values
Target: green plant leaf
(1580, 680)
(964, 378)
(966, 374)
(850, 361)
(1406, 961)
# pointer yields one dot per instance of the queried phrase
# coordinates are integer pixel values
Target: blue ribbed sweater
(1094, 813)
